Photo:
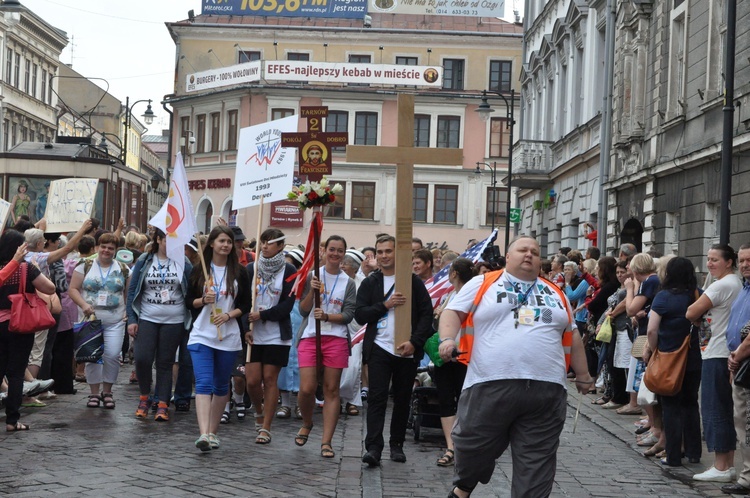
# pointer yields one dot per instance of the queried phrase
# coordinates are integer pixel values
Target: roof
(155, 139)
(380, 21)
(55, 149)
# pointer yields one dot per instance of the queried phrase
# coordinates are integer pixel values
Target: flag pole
(207, 280)
(254, 292)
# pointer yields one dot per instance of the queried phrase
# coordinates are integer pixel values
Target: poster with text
(70, 202)
(4, 210)
(265, 169)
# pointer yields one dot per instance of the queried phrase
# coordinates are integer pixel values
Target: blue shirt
(738, 316)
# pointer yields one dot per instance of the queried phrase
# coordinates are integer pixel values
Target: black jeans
(61, 369)
(157, 341)
(183, 388)
(384, 369)
(14, 358)
(682, 420)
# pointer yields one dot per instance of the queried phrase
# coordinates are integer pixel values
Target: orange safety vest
(466, 342)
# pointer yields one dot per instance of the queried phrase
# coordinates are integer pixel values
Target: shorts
(270, 354)
(37, 351)
(335, 352)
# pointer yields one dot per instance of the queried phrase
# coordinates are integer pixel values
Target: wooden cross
(404, 155)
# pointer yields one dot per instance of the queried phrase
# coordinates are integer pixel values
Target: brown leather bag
(666, 370)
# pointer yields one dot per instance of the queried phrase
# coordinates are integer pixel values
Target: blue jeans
(212, 368)
(717, 406)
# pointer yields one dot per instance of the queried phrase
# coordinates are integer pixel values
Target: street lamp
(103, 141)
(148, 118)
(155, 182)
(484, 111)
(493, 169)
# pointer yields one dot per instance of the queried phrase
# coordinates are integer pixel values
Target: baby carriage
(425, 409)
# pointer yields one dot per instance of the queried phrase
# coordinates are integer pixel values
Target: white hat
(296, 255)
(357, 255)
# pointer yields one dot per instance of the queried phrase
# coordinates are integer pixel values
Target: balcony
(532, 165)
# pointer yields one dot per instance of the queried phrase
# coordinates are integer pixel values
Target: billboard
(348, 9)
(246, 72)
(338, 72)
(463, 8)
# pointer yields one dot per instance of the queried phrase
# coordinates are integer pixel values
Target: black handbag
(88, 340)
(742, 376)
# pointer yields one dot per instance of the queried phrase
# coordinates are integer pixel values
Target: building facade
(452, 204)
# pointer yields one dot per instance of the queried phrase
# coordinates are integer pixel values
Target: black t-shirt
(648, 290)
(10, 286)
(674, 327)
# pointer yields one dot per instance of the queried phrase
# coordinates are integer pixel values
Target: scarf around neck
(268, 267)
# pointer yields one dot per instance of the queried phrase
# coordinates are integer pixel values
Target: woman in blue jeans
(158, 317)
(216, 305)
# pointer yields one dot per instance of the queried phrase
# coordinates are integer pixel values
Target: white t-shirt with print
(722, 294)
(104, 288)
(158, 306)
(386, 336)
(332, 302)
(269, 293)
(501, 351)
(204, 332)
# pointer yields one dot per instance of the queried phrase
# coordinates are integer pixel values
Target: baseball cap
(238, 235)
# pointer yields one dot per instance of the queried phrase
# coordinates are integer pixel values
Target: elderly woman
(99, 287)
(351, 377)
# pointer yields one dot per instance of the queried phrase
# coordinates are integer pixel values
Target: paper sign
(69, 203)
(265, 169)
(4, 210)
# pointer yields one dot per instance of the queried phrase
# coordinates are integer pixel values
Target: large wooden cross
(405, 156)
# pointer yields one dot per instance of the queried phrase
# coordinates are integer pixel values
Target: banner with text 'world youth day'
(69, 203)
(346, 9)
(265, 170)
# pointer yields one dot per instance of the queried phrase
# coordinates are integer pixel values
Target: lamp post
(484, 111)
(103, 141)
(148, 118)
(478, 172)
(155, 182)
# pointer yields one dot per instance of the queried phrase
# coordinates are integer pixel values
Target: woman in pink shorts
(338, 296)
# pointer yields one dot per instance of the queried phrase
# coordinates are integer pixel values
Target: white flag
(175, 218)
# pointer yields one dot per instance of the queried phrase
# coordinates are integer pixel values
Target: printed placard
(4, 210)
(69, 203)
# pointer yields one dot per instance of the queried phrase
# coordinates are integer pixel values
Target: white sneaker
(714, 475)
(30, 386)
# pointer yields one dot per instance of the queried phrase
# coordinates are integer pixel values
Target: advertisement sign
(347, 9)
(265, 170)
(70, 202)
(286, 214)
(463, 8)
(338, 72)
(246, 72)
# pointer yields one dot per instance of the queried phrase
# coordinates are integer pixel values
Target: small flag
(309, 260)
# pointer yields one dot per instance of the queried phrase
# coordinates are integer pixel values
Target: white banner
(338, 72)
(463, 8)
(69, 203)
(265, 170)
(4, 210)
(246, 72)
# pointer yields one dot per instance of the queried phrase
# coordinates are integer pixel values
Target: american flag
(439, 285)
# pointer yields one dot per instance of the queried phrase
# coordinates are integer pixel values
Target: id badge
(218, 311)
(164, 294)
(526, 316)
(325, 326)
(101, 298)
(383, 323)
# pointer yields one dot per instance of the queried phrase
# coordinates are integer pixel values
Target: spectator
(421, 264)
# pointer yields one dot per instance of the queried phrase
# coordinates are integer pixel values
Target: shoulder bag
(28, 312)
(665, 371)
(742, 376)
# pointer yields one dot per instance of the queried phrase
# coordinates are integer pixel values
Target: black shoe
(372, 458)
(735, 489)
(182, 406)
(397, 453)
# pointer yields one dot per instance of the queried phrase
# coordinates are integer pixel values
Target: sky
(124, 42)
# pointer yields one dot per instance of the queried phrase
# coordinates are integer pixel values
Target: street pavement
(72, 450)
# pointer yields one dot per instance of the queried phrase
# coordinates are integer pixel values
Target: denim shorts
(717, 406)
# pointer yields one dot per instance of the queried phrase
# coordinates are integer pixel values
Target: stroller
(425, 408)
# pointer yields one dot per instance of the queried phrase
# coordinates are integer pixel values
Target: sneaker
(162, 413)
(397, 453)
(31, 388)
(714, 475)
(365, 391)
(182, 406)
(372, 458)
(143, 406)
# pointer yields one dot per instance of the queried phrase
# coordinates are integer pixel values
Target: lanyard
(162, 275)
(217, 287)
(523, 299)
(109, 270)
(327, 295)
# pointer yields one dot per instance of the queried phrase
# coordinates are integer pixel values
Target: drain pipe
(605, 145)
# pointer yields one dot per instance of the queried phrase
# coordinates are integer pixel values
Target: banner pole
(207, 279)
(254, 285)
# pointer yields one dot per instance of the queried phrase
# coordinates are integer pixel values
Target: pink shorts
(335, 352)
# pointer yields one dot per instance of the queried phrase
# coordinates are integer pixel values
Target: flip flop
(17, 428)
(34, 403)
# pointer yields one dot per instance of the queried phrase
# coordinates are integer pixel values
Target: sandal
(264, 436)
(284, 412)
(300, 439)
(240, 411)
(297, 413)
(80, 378)
(327, 452)
(94, 401)
(224, 418)
(447, 459)
(259, 419)
(602, 400)
(108, 401)
(16, 428)
(653, 451)
(352, 409)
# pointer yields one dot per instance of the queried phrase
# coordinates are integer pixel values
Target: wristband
(228, 317)
(326, 318)
(203, 300)
(447, 339)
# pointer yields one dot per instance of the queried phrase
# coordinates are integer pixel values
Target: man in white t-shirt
(519, 330)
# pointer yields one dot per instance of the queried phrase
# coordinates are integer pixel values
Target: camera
(367, 21)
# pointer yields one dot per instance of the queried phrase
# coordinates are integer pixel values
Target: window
(421, 130)
(34, 74)
(499, 137)
(27, 76)
(360, 59)
(24, 134)
(5, 134)
(248, 56)
(200, 136)
(419, 211)
(500, 73)
(448, 132)
(13, 134)
(43, 93)
(281, 113)
(49, 87)
(297, 56)
(337, 121)
(676, 100)
(446, 203)
(9, 66)
(215, 121)
(407, 61)
(453, 74)
(184, 134)
(363, 200)
(366, 128)
(17, 71)
(336, 208)
(496, 205)
(232, 130)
